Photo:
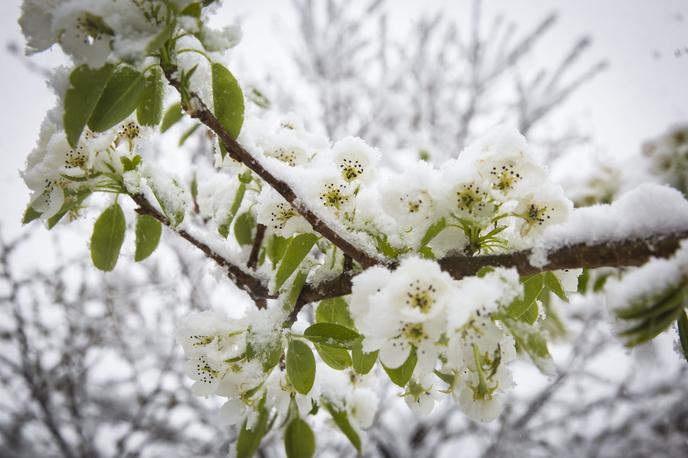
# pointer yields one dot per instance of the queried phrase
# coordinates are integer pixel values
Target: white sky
(643, 91)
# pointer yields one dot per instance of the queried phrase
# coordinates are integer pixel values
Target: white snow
(646, 211)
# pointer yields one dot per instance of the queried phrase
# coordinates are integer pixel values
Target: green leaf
(30, 214)
(193, 10)
(433, 231)
(402, 374)
(267, 351)
(531, 315)
(361, 361)
(223, 229)
(299, 440)
(333, 335)
(298, 249)
(72, 202)
(243, 228)
(249, 439)
(107, 238)
(530, 339)
(449, 379)
(553, 284)
(161, 38)
(295, 290)
(275, 248)
(148, 231)
(682, 324)
(300, 366)
(86, 85)
(334, 310)
(341, 419)
(149, 111)
(118, 100)
(173, 114)
(531, 290)
(189, 132)
(658, 317)
(228, 102)
(336, 358)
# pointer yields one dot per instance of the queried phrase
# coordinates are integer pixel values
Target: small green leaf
(275, 248)
(553, 284)
(531, 290)
(30, 214)
(361, 361)
(433, 231)
(107, 237)
(402, 374)
(298, 249)
(682, 324)
(173, 114)
(118, 100)
(449, 379)
(341, 419)
(86, 85)
(333, 335)
(300, 366)
(334, 310)
(228, 101)
(267, 351)
(295, 290)
(530, 339)
(148, 231)
(299, 440)
(336, 358)
(249, 439)
(223, 229)
(72, 202)
(189, 132)
(161, 38)
(193, 10)
(243, 228)
(149, 111)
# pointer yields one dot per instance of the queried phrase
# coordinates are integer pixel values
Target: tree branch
(623, 253)
(201, 112)
(252, 285)
(255, 249)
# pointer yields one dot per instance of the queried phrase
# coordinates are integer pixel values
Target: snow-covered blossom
(408, 311)
(356, 160)
(542, 207)
(422, 394)
(502, 158)
(278, 215)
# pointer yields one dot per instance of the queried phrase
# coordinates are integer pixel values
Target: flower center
(420, 297)
(470, 199)
(333, 196)
(414, 333)
(280, 217)
(504, 177)
(537, 215)
(351, 169)
(286, 156)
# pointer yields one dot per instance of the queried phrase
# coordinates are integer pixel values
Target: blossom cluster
(242, 361)
(98, 31)
(494, 196)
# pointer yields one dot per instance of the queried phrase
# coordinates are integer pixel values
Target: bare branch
(252, 285)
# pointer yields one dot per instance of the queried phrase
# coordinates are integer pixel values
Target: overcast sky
(644, 91)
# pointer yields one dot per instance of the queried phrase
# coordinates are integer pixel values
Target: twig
(252, 285)
(255, 250)
(201, 112)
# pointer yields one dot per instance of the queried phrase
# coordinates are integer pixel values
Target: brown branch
(201, 112)
(624, 253)
(255, 250)
(252, 285)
